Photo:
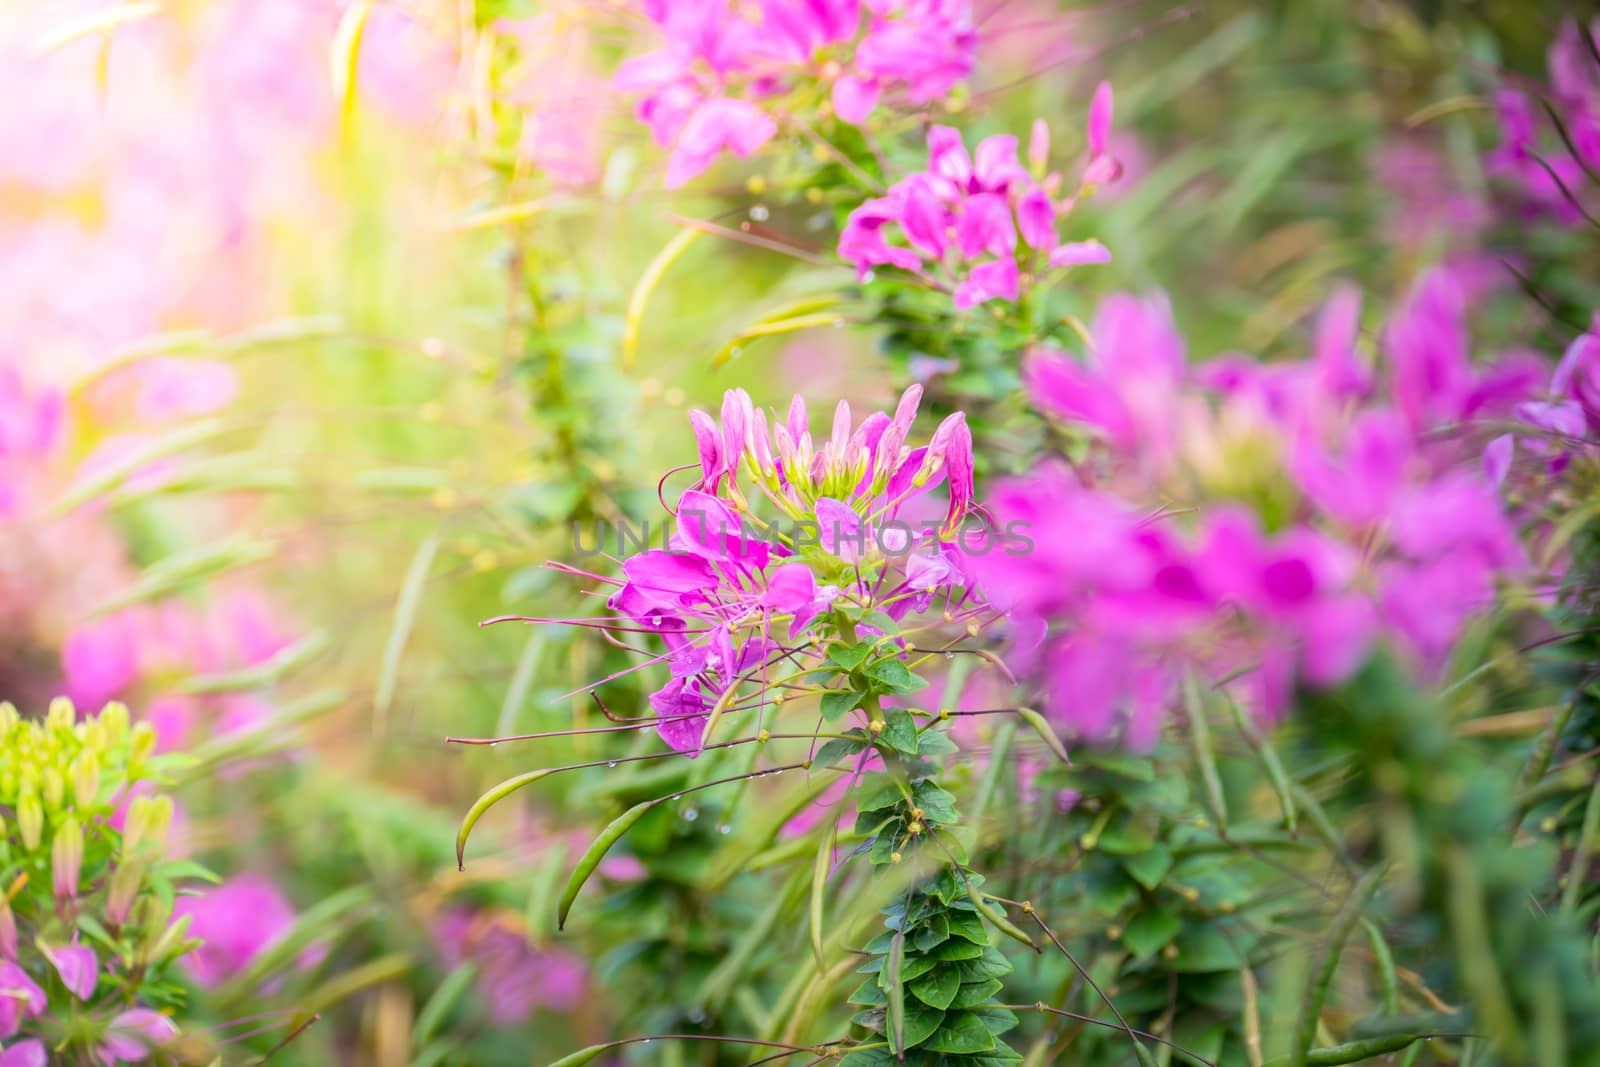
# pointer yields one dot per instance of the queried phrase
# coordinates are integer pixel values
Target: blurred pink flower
(514, 978)
(237, 920)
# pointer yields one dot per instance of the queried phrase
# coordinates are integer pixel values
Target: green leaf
(894, 985)
(967, 925)
(892, 676)
(837, 702)
(1112, 895)
(921, 1022)
(1150, 931)
(871, 1057)
(991, 964)
(1149, 867)
(971, 994)
(899, 731)
(880, 622)
(1046, 733)
(935, 743)
(582, 1056)
(936, 931)
(913, 968)
(956, 949)
(437, 1009)
(998, 1020)
(937, 988)
(963, 1033)
(869, 994)
(595, 853)
(938, 805)
(848, 657)
(1002, 1055)
(406, 606)
(837, 748)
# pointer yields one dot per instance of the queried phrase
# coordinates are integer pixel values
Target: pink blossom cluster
(727, 69)
(1550, 176)
(732, 596)
(514, 977)
(1310, 511)
(979, 224)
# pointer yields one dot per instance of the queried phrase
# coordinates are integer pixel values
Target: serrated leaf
(937, 988)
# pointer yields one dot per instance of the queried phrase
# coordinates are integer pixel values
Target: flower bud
(61, 715)
(149, 819)
(123, 891)
(140, 746)
(85, 779)
(8, 930)
(66, 859)
(169, 943)
(30, 818)
(55, 789)
(114, 720)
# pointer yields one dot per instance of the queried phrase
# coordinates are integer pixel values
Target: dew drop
(494, 744)
(691, 814)
(613, 763)
(760, 213)
(949, 655)
(697, 1016)
(724, 829)
(867, 277)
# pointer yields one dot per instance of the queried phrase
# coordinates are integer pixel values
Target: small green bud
(66, 859)
(61, 715)
(30, 819)
(85, 779)
(55, 789)
(141, 745)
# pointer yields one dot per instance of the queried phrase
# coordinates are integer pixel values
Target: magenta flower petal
(854, 98)
(988, 281)
(1080, 253)
(134, 1034)
(1100, 119)
(78, 968)
(24, 1054)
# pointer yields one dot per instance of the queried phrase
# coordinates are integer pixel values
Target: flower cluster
(980, 224)
(726, 69)
(1551, 176)
(513, 977)
(1329, 509)
(87, 931)
(732, 594)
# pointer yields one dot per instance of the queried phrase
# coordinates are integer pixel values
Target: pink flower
(134, 1034)
(101, 659)
(78, 968)
(514, 978)
(716, 126)
(20, 998)
(24, 1054)
(961, 219)
(237, 919)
